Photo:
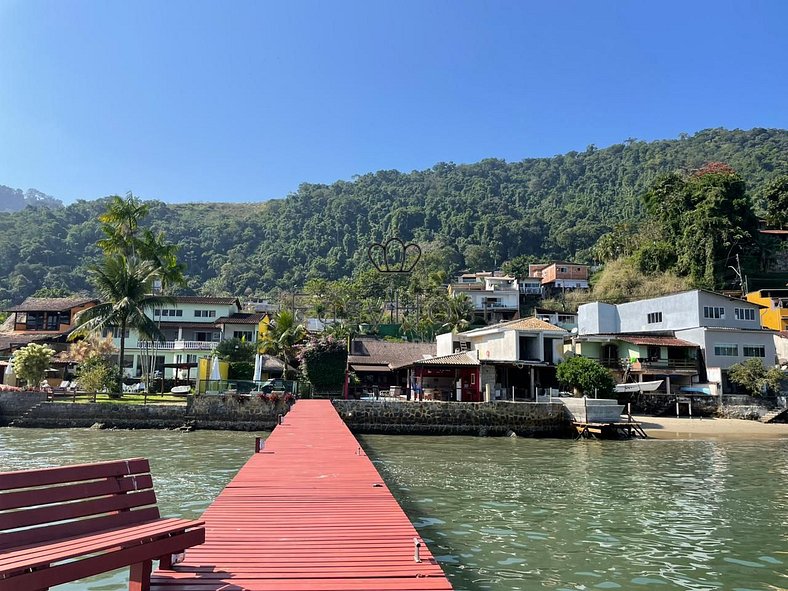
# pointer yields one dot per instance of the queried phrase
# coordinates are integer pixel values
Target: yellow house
(774, 314)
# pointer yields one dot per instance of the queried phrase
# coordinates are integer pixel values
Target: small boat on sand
(639, 386)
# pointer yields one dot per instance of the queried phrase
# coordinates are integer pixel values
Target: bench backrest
(53, 503)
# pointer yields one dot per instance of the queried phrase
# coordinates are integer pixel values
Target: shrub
(586, 376)
(31, 363)
(753, 377)
(323, 361)
(97, 373)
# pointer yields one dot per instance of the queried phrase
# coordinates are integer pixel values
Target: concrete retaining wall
(454, 418)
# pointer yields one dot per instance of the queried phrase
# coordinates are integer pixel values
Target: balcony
(644, 364)
(178, 345)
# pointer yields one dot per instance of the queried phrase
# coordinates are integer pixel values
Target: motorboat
(639, 386)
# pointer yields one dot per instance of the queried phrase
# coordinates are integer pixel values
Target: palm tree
(152, 247)
(459, 313)
(283, 334)
(123, 286)
(120, 223)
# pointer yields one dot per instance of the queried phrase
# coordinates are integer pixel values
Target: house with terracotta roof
(513, 360)
(40, 320)
(382, 364)
(684, 338)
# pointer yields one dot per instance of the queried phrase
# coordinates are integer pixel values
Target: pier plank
(309, 513)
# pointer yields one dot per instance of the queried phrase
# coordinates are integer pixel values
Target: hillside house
(560, 276)
(494, 297)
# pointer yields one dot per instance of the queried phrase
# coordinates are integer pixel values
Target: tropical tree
(124, 288)
(458, 314)
(31, 363)
(775, 195)
(120, 223)
(233, 350)
(281, 338)
(585, 376)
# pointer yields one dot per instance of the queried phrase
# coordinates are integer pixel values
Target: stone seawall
(198, 413)
(15, 404)
(526, 419)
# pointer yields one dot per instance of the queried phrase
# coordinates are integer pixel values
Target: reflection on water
(189, 469)
(513, 514)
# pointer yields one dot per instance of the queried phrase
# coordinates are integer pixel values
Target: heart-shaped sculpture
(394, 256)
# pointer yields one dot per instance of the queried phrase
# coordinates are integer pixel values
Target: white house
(494, 297)
(727, 330)
(190, 329)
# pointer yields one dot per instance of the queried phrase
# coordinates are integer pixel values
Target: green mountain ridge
(471, 215)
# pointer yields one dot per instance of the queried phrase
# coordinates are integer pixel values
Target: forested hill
(16, 199)
(475, 215)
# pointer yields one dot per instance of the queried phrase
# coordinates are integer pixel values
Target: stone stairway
(20, 420)
(770, 416)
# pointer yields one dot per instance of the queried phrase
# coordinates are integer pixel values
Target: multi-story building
(494, 297)
(560, 276)
(192, 327)
(689, 337)
(774, 311)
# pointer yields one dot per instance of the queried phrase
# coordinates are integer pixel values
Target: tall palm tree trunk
(121, 354)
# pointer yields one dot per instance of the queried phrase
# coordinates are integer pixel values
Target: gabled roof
(242, 318)
(207, 300)
(391, 354)
(531, 324)
(51, 304)
(465, 359)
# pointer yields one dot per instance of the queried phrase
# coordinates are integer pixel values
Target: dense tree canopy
(462, 215)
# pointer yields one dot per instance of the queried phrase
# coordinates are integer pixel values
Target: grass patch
(137, 399)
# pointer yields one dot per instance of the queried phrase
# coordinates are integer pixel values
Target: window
(35, 321)
(244, 335)
(206, 337)
(128, 361)
(654, 317)
(744, 313)
(754, 351)
(562, 269)
(168, 312)
(116, 332)
(726, 350)
(53, 321)
(205, 313)
(713, 312)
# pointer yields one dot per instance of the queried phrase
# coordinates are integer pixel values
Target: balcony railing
(646, 364)
(178, 345)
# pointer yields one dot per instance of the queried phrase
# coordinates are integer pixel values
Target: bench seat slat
(71, 492)
(57, 551)
(63, 474)
(75, 528)
(52, 513)
(71, 571)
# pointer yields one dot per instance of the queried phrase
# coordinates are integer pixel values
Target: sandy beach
(706, 428)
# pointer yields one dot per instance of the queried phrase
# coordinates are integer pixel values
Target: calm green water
(509, 514)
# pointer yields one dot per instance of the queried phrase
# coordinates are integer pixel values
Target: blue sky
(243, 101)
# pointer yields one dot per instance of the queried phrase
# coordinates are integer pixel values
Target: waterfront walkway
(308, 513)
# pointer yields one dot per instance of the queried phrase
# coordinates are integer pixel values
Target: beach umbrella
(215, 375)
(9, 376)
(258, 367)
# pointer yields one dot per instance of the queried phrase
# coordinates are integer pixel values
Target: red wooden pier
(308, 513)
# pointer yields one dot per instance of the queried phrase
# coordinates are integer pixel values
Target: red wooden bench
(58, 525)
